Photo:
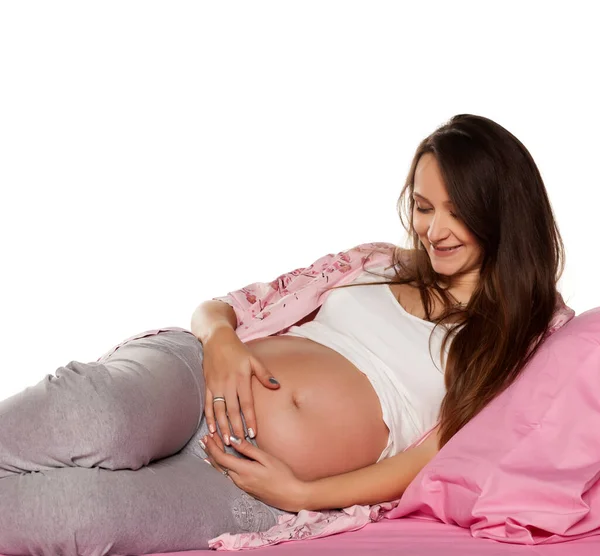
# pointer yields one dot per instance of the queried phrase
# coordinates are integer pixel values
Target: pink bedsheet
(413, 537)
(410, 537)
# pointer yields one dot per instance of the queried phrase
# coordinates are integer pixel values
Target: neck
(461, 287)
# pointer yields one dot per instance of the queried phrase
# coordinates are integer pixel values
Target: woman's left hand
(266, 477)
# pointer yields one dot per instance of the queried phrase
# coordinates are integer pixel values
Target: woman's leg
(77, 458)
(142, 403)
(177, 503)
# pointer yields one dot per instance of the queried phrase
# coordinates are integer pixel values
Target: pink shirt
(266, 308)
(271, 308)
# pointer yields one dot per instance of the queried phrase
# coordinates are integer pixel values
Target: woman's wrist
(220, 332)
(302, 496)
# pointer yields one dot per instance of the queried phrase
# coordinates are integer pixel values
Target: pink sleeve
(253, 298)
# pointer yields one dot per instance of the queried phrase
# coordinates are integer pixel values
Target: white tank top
(390, 346)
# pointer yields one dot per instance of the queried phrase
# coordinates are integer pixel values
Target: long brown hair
(499, 194)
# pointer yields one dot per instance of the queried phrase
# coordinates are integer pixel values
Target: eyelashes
(425, 211)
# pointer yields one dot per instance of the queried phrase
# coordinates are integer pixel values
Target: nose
(438, 229)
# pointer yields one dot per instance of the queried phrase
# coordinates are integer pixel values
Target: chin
(446, 268)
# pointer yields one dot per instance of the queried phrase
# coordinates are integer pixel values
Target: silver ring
(226, 472)
(219, 399)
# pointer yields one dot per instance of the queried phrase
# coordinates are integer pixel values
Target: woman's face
(437, 226)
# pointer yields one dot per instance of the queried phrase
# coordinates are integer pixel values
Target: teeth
(447, 248)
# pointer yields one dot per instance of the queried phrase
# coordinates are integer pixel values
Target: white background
(156, 154)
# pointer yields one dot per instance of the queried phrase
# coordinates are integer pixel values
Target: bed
(417, 537)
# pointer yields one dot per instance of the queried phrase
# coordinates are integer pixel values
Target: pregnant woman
(307, 392)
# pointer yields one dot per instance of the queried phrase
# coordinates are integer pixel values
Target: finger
(208, 411)
(233, 413)
(247, 408)
(213, 463)
(220, 410)
(223, 459)
(209, 459)
(231, 475)
(215, 437)
(218, 440)
(264, 376)
(249, 450)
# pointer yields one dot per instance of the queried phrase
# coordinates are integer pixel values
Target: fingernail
(273, 381)
(235, 439)
(226, 439)
(251, 432)
(212, 429)
(206, 461)
(202, 445)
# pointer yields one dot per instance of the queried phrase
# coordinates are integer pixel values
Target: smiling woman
(328, 388)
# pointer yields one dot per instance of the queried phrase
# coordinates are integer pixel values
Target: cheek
(473, 244)
(478, 252)
(468, 237)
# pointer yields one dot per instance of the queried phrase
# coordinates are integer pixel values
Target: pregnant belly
(326, 418)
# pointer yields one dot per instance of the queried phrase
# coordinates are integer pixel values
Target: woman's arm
(381, 482)
(270, 480)
(210, 316)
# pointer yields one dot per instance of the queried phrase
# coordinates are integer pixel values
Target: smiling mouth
(447, 248)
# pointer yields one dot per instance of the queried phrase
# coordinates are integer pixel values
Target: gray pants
(103, 458)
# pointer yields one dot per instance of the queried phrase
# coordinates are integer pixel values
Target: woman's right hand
(228, 368)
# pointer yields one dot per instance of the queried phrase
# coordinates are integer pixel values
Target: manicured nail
(226, 439)
(251, 433)
(212, 429)
(272, 380)
(206, 461)
(202, 445)
(235, 439)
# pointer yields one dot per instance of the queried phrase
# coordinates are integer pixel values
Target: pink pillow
(525, 470)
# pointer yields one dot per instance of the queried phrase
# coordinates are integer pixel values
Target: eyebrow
(447, 203)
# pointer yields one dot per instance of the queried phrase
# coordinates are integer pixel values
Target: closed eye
(425, 211)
